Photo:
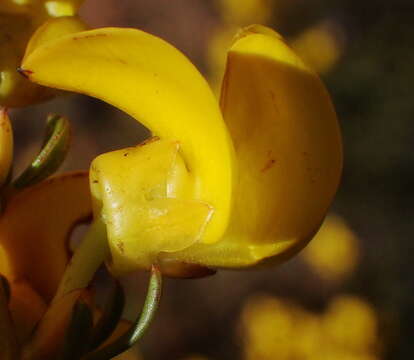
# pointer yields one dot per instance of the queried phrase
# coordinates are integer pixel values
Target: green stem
(8, 341)
(137, 330)
(88, 256)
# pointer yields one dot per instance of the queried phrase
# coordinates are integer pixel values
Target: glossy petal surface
(145, 195)
(288, 151)
(174, 101)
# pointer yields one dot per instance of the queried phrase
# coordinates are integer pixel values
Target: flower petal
(38, 251)
(153, 82)
(288, 151)
(143, 192)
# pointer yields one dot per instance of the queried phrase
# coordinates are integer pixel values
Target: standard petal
(38, 251)
(153, 82)
(288, 151)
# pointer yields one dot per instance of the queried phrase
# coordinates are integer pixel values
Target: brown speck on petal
(268, 165)
(24, 72)
(89, 36)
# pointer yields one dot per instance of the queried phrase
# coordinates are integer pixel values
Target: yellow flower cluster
(320, 46)
(18, 21)
(333, 254)
(274, 328)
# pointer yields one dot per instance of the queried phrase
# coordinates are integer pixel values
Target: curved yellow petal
(153, 82)
(6, 145)
(38, 251)
(288, 151)
(54, 29)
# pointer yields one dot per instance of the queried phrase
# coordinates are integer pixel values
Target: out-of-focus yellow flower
(242, 13)
(220, 40)
(33, 257)
(40, 10)
(275, 328)
(351, 324)
(235, 14)
(278, 329)
(204, 191)
(320, 46)
(268, 326)
(18, 21)
(334, 252)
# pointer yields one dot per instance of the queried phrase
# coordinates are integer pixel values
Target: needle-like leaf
(137, 330)
(52, 154)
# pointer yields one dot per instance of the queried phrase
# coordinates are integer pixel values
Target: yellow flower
(33, 257)
(350, 323)
(273, 328)
(18, 21)
(321, 46)
(334, 252)
(218, 186)
(246, 12)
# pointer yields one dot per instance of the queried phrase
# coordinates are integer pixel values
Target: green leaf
(111, 315)
(52, 154)
(137, 330)
(78, 332)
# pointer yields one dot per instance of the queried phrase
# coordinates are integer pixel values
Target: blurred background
(349, 295)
